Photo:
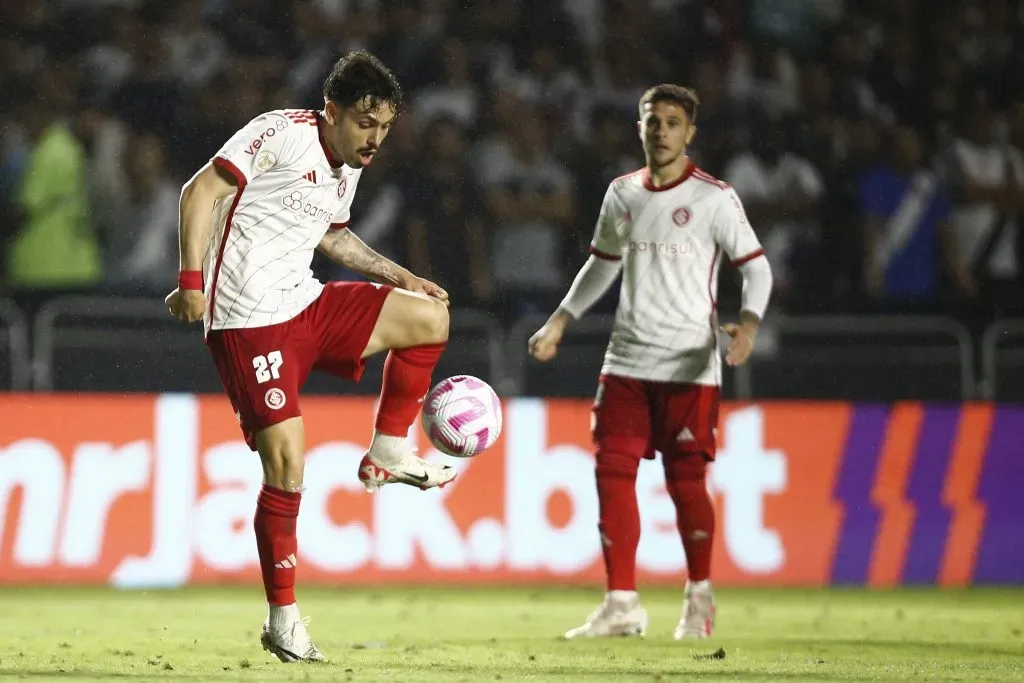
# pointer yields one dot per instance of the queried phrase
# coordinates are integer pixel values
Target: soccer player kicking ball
(666, 228)
(278, 189)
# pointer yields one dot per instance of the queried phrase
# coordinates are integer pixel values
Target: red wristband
(190, 279)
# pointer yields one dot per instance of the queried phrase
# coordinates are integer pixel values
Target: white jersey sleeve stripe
(241, 181)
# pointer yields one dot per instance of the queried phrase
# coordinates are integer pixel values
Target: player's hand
(418, 284)
(741, 343)
(543, 345)
(186, 305)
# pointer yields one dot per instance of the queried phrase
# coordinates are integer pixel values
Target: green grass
(485, 635)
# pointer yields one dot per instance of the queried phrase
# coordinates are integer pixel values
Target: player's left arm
(343, 247)
(735, 236)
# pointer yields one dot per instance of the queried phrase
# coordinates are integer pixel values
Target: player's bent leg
(620, 614)
(281, 447)
(408, 319)
(686, 480)
(414, 328)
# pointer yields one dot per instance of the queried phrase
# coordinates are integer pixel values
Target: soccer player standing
(249, 221)
(665, 228)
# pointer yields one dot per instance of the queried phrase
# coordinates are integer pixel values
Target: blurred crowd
(876, 143)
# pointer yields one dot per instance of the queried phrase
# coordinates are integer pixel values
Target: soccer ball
(462, 416)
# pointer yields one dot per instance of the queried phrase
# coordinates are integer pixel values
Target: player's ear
(691, 133)
(640, 129)
(330, 111)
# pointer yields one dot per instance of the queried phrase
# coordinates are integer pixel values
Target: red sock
(686, 479)
(276, 513)
(406, 381)
(620, 518)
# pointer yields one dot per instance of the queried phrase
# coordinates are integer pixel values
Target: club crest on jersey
(275, 398)
(342, 186)
(265, 161)
(681, 216)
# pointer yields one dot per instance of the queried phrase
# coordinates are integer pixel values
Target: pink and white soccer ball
(462, 416)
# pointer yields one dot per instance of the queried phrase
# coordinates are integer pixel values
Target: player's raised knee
(434, 323)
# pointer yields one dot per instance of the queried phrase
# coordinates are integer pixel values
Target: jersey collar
(687, 172)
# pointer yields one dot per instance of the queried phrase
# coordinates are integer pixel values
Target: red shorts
(263, 368)
(638, 417)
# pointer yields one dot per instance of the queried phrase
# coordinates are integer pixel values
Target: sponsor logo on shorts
(275, 398)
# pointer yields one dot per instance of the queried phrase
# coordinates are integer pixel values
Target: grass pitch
(486, 635)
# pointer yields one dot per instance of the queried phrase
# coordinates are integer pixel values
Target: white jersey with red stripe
(290, 193)
(671, 242)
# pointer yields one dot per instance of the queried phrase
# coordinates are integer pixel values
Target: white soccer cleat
(411, 469)
(292, 644)
(614, 617)
(698, 619)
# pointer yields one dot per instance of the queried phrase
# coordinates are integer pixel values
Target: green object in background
(56, 246)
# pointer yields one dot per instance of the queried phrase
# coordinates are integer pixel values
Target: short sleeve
(343, 214)
(733, 232)
(268, 141)
(608, 234)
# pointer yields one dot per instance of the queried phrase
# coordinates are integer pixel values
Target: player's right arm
(591, 282)
(271, 140)
(195, 211)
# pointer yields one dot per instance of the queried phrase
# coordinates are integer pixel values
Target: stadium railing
(15, 367)
(580, 356)
(96, 343)
(866, 358)
(1002, 360)
(111, 343)
(852, 357)
(102, 343)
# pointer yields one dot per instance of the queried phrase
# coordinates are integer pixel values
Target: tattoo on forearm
(345, 248)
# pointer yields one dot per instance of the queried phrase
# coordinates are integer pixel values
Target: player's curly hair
(360, 75)
(677, 94)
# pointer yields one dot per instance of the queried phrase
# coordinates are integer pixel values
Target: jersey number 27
(268, 367)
